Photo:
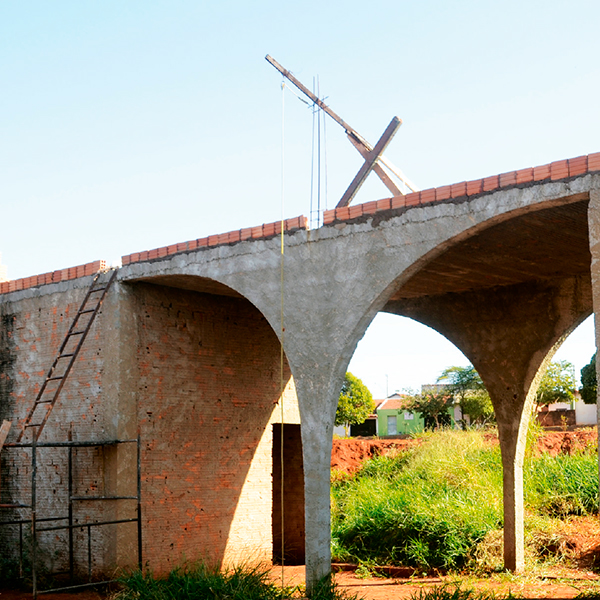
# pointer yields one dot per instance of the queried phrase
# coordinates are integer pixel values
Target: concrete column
(512, 431)
(318, 393)
(594, 235)
(509, 333)
(118, 321)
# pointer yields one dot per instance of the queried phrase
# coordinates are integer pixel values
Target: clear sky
(131, 125)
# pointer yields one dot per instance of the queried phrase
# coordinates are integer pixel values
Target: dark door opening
(293, 495)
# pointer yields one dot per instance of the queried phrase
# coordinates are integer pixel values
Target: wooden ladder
(67, 354)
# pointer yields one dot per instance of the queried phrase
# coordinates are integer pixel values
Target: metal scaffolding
(68, 522)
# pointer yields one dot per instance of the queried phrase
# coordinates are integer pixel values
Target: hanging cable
(325, 161)
(318, 158)
(312, 162)
(282, 330)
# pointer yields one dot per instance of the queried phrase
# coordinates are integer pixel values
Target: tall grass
(201, 582)
(430, 507)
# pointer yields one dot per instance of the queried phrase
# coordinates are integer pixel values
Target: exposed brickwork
(35, 329)
(208, 388)
(54, 277)
(265, 231)
(558, 170)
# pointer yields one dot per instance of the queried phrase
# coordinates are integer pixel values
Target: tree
(589, 385)
(467, 389)
(355, 403)
(432, 406)
(557, 384)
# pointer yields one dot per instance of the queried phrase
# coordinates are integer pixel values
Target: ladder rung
(94, 307)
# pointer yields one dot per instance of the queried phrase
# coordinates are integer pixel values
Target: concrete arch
(336, 279)
(204, 388)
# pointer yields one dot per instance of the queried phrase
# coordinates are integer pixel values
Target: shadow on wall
(208, 383)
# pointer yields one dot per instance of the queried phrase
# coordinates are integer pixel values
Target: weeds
(455, 592)
(439, 506)
(200, 582)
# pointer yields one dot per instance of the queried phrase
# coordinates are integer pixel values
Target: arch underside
(507, 297)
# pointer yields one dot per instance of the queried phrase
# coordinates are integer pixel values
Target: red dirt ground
(581, 536)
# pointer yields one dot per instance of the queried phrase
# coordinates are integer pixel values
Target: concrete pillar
(318, 393)
(509, 333)
(594, 235)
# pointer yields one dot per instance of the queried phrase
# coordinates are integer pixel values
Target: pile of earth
(348, 454)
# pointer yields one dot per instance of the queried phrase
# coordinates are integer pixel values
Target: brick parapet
(16, 285)
(555, 171)
(264, 231)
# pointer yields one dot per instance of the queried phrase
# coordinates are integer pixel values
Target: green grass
(200, 582)
(432, 507)
(455, 592)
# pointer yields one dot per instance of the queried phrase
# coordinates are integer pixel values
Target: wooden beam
(4, 432)
(288, 75)
(357, 140)
(370, 162)
(385, 178)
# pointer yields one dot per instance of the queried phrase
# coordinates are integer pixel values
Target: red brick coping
(267, 230)
(52, 277)
(560, 169)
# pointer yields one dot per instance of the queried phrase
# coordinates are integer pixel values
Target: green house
(394, 419)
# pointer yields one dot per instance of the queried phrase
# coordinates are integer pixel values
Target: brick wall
(207, 394)
(204, 373)
(32, 330)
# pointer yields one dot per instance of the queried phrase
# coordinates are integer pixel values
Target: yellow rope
(282, 330)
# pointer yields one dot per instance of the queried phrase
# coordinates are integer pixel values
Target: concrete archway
(204, 380)
(340, 276)
(508, 312)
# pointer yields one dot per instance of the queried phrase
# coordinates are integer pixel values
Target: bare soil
(580, 536)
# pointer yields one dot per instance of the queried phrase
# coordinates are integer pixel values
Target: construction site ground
(554, 582)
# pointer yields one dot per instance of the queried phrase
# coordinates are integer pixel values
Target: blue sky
(131, 125)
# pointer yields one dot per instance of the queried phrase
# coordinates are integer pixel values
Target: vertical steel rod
(70, 484)
(21, 550)
(139, 498)
(89, 532)
(33, 516)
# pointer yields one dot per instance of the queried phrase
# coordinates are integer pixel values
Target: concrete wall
(585, 414)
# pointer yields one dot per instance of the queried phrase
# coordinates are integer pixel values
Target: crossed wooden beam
(373, 155)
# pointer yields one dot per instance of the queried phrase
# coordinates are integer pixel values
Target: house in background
(560, 414)
(394, 419)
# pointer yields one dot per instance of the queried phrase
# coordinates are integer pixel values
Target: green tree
(432, 406)
(355, 403)
(589, 385)
(557, 384)
(467, 389)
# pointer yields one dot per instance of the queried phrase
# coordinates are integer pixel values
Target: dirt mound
(567, 442)
(348, 454)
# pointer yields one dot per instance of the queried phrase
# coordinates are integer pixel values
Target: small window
(408, 416)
